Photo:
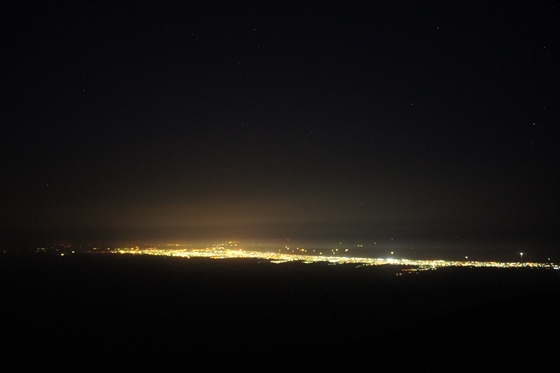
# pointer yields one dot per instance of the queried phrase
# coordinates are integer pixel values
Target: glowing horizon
(232, 252)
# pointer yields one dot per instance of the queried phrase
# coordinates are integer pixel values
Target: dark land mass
(122, 313)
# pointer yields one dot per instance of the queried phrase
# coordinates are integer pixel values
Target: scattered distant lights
(230, 250)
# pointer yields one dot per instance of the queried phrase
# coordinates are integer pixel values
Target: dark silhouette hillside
(101, 312)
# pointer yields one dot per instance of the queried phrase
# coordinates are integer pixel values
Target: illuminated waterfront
(231, 251)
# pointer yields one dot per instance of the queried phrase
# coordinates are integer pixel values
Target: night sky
(423, 121)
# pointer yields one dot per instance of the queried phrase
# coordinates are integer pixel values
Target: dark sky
(423, 120)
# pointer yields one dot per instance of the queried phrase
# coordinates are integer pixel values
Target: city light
(231, 251)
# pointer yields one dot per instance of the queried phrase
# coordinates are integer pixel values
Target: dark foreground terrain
(123, 313)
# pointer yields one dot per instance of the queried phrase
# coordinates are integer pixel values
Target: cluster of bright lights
(230, 251)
